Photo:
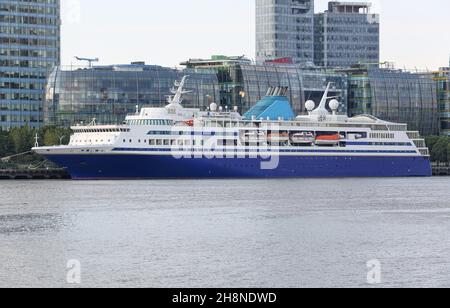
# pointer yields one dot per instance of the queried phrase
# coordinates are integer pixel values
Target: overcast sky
(414, 33)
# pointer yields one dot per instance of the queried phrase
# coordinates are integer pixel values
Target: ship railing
(413, 135)
(420, 143)
(266, 123)
(398, 127)
(424, 152)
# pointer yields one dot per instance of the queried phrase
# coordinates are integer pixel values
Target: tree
(439, 151)
(21, 139)
(5, 144)
(51, 137)
(448, 152)
(431, 142)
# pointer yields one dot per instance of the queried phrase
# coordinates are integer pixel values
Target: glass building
(243, 83)
(395, 95)
(29, 48)
(285, 28)
(442, 78)
(346, 34)
(109, 93)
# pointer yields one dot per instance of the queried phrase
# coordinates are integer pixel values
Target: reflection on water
(267, 233)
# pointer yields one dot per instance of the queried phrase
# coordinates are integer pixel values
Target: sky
(414, 33)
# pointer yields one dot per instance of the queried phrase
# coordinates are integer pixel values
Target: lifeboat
(253, 137)
(189, 122)
(302, 138)
(328, 139)
(278, 137)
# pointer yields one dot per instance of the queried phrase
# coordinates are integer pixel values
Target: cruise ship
(269, 141)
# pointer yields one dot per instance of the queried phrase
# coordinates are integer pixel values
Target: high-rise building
(346, 34)
(29, 48)
(285, 29)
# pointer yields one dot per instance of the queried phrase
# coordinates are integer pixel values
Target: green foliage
(55, 136)
(439, 148)
(448, 152)
(21, 140)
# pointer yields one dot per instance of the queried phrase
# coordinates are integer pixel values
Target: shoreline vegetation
(21, 140)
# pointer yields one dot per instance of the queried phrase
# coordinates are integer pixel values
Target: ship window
(159, 142)
(166, 142)
(131, 141)
(152, 142)
(124, 140)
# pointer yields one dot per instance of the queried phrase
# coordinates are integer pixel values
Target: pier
(441, 169)
(34, 174)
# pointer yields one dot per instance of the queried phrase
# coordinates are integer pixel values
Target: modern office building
(442, 78)
(109, 93)
(346, 34)
(285, 28)
(394, 95)
(29, 48)
(243, 83)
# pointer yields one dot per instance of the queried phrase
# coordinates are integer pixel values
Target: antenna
(88, 60)
(177, 92)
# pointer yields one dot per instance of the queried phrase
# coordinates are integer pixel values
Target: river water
(225, 233)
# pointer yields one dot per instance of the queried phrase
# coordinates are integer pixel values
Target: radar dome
(213, 107)
(310, 105)
(334, 104)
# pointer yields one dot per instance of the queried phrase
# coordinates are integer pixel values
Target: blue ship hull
(165, 166)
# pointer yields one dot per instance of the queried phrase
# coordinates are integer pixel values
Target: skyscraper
(29, 48)
(346, 34)
(285, 28)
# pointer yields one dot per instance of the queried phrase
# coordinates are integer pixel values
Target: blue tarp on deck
(272, 108)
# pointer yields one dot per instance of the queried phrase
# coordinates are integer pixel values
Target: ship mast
(176, 100)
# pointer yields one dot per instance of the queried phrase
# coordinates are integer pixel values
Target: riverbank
(441, 169)
(34, 174)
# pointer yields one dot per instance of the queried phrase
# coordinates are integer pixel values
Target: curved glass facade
(304, 84)
(442, 78)
(243, 83)
(29, 48)
(397, 96)
(109, 93)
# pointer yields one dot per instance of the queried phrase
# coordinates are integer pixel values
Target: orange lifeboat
(189, 123)
(328, 139)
